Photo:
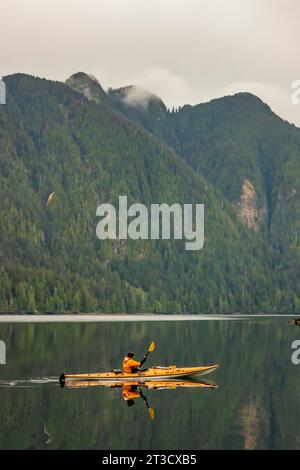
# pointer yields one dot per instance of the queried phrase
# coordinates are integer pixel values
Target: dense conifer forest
(67, 147)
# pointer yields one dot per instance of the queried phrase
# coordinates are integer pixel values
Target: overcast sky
(186, 51)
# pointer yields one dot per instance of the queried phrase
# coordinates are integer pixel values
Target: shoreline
(90, 318)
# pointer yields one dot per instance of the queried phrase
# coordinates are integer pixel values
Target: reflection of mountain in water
(252, 416)
(250, 425)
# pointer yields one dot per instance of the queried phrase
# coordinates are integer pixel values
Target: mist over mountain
(83, 146)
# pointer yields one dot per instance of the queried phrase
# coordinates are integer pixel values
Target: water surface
(255, 404)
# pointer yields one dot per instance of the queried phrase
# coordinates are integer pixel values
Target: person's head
(130, 354)
(130, 403)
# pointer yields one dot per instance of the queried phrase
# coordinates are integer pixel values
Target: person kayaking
(130, 365)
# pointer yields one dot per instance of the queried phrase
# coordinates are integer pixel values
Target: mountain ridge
(53, 139)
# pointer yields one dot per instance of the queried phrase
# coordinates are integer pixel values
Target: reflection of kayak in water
(132, 390)
(295, 321)
(153, 373)
(152, 385)
(174, 384)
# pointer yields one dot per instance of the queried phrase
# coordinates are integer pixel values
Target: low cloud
(171, 88)
(137, 97)
(183, 54)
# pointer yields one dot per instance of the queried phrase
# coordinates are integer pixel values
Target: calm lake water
(256, 404)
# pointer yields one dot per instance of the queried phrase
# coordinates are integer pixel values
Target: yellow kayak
(153, 373)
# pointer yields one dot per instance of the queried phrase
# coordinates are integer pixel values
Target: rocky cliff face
(247, 207)
(86, 85)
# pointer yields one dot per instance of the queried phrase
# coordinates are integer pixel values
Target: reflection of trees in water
(256, 383)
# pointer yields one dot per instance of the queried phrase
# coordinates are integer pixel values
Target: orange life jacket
(128, 363)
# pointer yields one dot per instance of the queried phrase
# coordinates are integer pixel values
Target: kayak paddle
(150, 349)
(150, 409)
(151, 412)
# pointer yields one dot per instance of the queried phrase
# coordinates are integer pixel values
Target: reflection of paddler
(130, 393)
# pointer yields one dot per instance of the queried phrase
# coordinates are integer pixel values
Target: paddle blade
(151, 347)
(152, 413)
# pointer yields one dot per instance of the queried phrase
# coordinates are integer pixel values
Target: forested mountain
(64, 151)
(248, 153)
(253, 157)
